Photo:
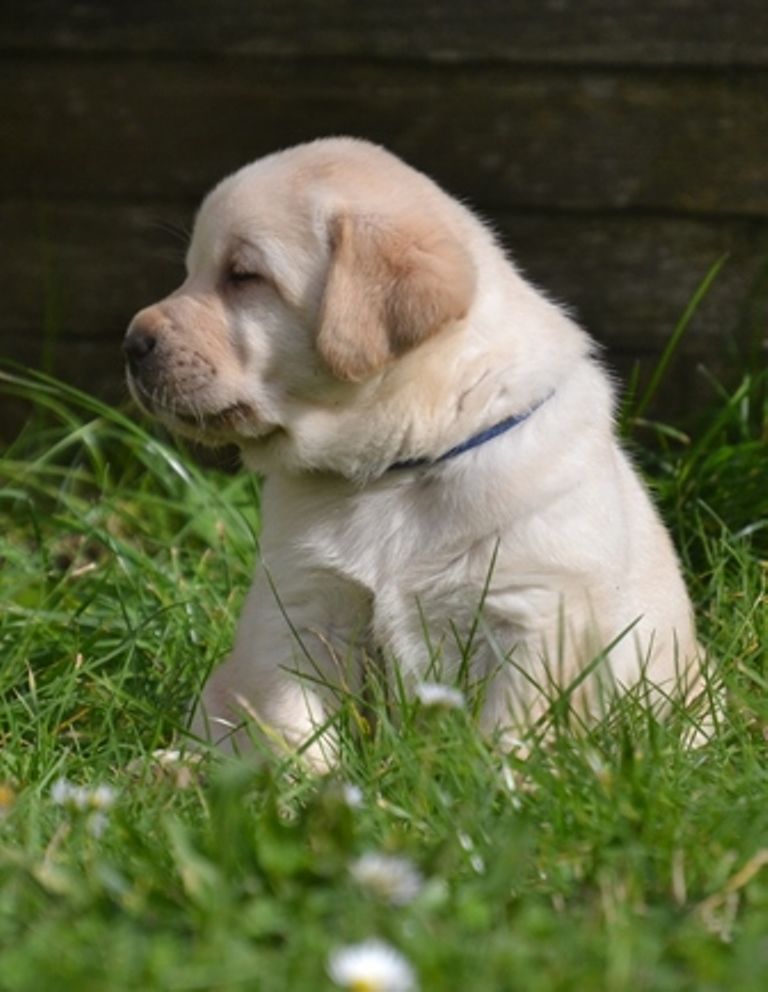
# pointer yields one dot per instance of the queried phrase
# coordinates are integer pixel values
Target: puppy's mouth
(227, 418)
(230, 423)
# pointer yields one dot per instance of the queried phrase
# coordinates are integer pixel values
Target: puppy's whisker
(177, 231)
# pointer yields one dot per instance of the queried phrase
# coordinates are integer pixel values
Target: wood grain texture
(596, 140)
(619, 146)
(557, 32)
(81, 271)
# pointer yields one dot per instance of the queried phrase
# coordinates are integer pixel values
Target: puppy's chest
(431, 587)
(430, 564)
(377, 543)
(408, 558)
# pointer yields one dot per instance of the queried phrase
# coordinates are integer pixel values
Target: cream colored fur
(342, 313)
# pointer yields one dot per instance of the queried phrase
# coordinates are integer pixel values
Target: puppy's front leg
(293, 653)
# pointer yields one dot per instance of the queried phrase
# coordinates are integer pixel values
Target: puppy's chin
(226, 425)
(233, 423)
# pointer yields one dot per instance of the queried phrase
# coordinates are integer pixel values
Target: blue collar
(473, 442)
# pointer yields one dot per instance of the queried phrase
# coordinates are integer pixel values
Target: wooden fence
(620, 147)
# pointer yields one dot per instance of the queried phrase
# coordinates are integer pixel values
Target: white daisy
(371, 966)
(352, 795)
(390, 878)
(102, 797)
(61, 792)
(168, 764)
(436, 694)
(65, 793)
(96, 823)
(168, 756)
(79, 798)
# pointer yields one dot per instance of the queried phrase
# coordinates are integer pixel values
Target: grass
(618, 860)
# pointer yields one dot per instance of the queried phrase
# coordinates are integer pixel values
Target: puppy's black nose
(137, 344)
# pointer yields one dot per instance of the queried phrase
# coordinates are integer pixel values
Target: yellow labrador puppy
(443, 480)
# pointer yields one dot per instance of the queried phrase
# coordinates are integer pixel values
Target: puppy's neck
(459, 384)
(485, 436)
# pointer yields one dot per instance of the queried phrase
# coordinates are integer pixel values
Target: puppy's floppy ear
(392, 284)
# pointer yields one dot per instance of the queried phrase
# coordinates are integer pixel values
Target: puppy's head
(310, 273)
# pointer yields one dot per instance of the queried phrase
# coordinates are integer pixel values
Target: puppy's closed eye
(238, 277)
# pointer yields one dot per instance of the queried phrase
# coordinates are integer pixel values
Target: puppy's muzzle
(165, 374)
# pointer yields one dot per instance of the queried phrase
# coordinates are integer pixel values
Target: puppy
(443, 481)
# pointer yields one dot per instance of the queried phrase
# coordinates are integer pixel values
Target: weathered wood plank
(628, 279)
(600, 139)
(78, 272)
(683, 32)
